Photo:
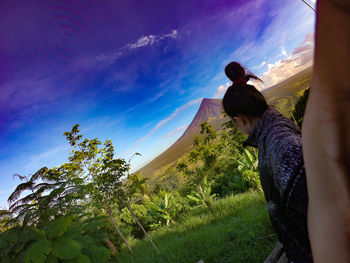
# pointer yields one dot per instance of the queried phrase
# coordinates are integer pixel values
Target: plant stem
(144, 231)
(109, 212)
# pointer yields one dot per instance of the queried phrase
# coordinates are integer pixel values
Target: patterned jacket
(282, 176)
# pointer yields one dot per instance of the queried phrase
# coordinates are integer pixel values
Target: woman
(281, 165)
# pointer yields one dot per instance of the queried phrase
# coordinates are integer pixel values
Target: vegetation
(91, 209)
(299, 108)
(239, 230)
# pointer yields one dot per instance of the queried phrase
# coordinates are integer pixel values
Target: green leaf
(79, 259)
(74, 231)
(58, 227)
(32, 233)
(86, 241)
(194, 198)
(65, 248)
(97, 254)
(51, 259)
(38, 251)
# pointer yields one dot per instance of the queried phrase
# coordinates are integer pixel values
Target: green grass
(238, 231)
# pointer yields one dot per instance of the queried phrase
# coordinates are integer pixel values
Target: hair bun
(236, 73)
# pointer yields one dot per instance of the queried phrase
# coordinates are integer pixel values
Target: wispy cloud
(260, 66)
(37, 159)
(221, 89)
(151, 39)
(141, 42)
(301, 58)
(284, 52)
(174, 132)
(161, 123)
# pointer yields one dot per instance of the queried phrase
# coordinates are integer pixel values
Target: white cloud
(289, 23)
(221, 89)
(110, 58)
(161, 123)
(141, 42)
(284, 52)
(174, 132)
(260, 66)
(300, 59)
(151, 39)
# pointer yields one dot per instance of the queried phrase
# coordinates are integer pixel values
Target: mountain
(210, 110)
(283, 96)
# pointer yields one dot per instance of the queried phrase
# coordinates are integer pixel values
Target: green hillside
(283, 96)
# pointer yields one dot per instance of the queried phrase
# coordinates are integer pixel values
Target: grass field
(238, 231)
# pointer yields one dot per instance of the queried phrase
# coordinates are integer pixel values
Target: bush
(62, 240)
(300, 106)
(143, 217)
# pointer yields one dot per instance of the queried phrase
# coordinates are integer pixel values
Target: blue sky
(130, 71)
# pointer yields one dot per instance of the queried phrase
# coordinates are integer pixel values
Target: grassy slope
(239, 231)
(285, 94)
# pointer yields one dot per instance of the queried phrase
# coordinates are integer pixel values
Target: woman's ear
(238, 120)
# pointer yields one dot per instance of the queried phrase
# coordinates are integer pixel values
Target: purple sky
(130, 71)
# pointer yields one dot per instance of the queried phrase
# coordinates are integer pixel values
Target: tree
(52, 193)
(102, 170)
(137, 184)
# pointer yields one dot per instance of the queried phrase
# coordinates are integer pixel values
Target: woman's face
(243, 123)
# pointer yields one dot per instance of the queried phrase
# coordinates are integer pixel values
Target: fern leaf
(65, 248)
(4, 213)
(51, 259)
(97, 254)
(25, 200)
(19, 189)
(79, 259)
(85, 241)
(8, 237)
(74, 231)
(46, 186)
(39, 174)
(59, 227)
(31, 233)
(38, 251)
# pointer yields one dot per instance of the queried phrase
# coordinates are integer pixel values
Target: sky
(131, 71)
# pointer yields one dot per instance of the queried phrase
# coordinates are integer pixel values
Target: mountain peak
(209, 108)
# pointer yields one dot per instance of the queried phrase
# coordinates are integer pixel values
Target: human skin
(326, 135)
(244, 124)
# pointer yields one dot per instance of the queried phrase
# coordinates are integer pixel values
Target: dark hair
(240, 97)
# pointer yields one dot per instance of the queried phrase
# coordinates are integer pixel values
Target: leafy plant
(249, 161)
(62, 240)
(203, 197)
(163, 212)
